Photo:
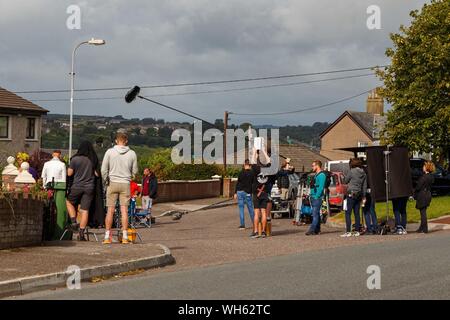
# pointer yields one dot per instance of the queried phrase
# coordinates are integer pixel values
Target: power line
(205, 82)
(215, 91)
(302, 110)
(175, 109)
(261, 87)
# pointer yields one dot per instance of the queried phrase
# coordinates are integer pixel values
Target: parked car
(441, 185)
(337, 191)
(342, 166)
(280, 207)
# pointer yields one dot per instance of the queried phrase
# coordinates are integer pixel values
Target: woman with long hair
(422, 194)
(85, 187)
(97, 209)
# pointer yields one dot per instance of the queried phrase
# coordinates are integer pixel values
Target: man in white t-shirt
(54, 169)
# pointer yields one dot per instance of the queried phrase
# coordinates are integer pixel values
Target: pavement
(414, 269)
(36, 268)
(31, 269)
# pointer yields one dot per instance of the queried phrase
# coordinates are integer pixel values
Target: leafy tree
(417, 82)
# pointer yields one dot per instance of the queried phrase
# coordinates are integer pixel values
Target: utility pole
(225, 127)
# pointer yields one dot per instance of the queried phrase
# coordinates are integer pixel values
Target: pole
(225, 127)
(72, 85)
(72, 88)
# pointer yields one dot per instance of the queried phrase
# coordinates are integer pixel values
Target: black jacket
(422, 192)
(152, 186)
(283, 178)
(245, 181)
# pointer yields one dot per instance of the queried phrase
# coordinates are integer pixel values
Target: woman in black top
(243, 192)
(422, 194)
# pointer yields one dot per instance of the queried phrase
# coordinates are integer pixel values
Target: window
(4, 127)
(362, 144)
(31, 128)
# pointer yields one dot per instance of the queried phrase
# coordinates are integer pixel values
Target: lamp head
(97, 42)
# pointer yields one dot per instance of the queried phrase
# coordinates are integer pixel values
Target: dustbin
(61, 212)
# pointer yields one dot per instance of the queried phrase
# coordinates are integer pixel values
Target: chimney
(375, 103)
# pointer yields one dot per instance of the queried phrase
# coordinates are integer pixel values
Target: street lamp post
(95, 42)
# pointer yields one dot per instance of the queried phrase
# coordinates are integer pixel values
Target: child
(135, 190)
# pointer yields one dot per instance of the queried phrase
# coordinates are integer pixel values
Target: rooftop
(13, 102)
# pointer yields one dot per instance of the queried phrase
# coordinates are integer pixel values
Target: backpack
(327, 184)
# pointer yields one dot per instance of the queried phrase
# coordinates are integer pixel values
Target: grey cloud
(152, 42)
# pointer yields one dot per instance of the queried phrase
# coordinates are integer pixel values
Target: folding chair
(138, 218)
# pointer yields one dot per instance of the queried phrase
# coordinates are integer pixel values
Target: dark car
(441, 185)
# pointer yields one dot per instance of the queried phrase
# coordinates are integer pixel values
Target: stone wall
(22, 224)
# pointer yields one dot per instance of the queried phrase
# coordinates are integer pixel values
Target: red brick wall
(187, 190)
(23, 226)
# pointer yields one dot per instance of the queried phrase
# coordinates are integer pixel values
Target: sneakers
(350, 234)
(107, 241)
(125, 241)
(254, 235)
(81, 236)
(241, 227)
(346, 235)
(401, 231)
(263, 235)
(310, 233)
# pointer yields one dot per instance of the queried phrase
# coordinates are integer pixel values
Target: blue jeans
(353, 205)
(399, 206)
(245, 198)
(316, 204)
(370, 215)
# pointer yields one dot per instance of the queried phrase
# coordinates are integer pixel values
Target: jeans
(370, 215)
(245, 198)
(353, 205)
(316, 204)
(399, 206)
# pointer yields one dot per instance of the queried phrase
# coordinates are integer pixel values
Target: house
(302, 156)
(20, 125)
(354, 129)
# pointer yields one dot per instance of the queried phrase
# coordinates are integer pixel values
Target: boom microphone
(132, 94)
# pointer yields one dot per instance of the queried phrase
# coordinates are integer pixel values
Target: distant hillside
(149, 132)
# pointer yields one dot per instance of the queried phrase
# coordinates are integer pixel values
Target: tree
(417, 83)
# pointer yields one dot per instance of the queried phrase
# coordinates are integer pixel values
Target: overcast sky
(157, 42)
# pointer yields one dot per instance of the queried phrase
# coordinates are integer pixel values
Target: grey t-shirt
(83, 173)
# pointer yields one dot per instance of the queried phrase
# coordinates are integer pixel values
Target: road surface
(412, 269)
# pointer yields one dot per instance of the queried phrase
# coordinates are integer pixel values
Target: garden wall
(188, 190)
(22, 225)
